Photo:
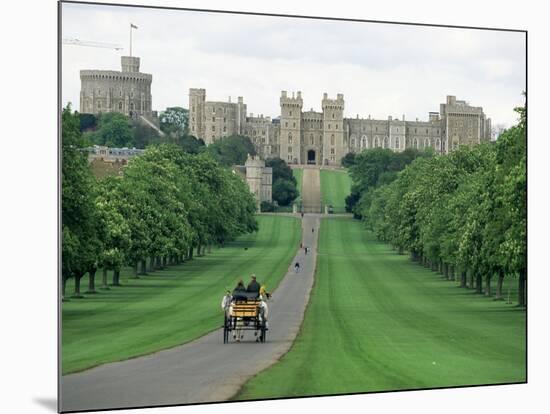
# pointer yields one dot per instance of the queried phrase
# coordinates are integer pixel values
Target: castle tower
(129, 64)
(334, 145)
(291, 128)
(197, 98)
(254, 175)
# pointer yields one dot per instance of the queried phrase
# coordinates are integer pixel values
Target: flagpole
(130, 39)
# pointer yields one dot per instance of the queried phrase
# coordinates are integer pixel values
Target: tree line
(165, 206)
(463, 214)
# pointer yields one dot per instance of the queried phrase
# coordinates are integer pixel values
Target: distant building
(258, 177)
(323, 138)
(105, 161)
(127, 91)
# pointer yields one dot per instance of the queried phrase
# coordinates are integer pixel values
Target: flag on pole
(133, 26)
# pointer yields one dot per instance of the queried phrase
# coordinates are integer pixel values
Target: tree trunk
(522, 289)
(191, 253)
(63, 287)
(143, 267)
(77, 286)
(135, 271)
(446, 271)
(116, 277)
(471, 282)
(488, 284)
(463, 279)
(104, 279)
(91, 280)
(500, 280)
(479, 283)
(209, 248)
(152, 264)
(199, 251)
(164, 261)
(452, 272)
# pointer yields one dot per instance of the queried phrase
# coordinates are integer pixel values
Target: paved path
(311, 190)
(205, 369)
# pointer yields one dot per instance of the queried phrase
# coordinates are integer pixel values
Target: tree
(174, 120)
(232, 150)
(284, 192)
(280, 170)
(80, 238)
(348, 160)
(114, 130)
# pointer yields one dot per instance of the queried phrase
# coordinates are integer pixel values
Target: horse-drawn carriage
(245, 312)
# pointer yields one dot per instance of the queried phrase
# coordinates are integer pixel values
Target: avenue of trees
(462, 214)
(166, 205)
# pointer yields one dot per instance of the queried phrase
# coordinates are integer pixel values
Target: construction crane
(78, 42)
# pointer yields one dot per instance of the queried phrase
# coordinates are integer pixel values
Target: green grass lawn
(335, 187)
(175, 305)
(376, 321)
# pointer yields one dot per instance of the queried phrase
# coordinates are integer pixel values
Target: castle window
(286, 124)
(290, 138)
(332, 151)
(311, 139)
(224, 129)
(213, 119)
(353, 142)
(213, 128)
(376, 129)
(426, 131)
(132, 106)
(98, 104)
(336, 126)
(364, 142)
(289, 113)
(385, 142)
(328, 126)
(426, 143)
(224, 120)
(294, 125)
(120, 93)
(332, 116)
(332, 139)
(120, 106)
(289, 150)
(397, 143)
(415, 130)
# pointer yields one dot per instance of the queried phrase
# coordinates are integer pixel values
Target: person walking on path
(305, 250)
(297, 267)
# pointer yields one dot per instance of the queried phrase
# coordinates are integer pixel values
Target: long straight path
(205, 370)
(311, 190)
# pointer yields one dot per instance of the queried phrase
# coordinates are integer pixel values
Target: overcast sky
(382, 69)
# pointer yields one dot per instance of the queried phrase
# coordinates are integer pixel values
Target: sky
(382, 69)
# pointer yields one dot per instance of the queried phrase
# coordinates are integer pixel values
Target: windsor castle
(296, 136)
(323, 138)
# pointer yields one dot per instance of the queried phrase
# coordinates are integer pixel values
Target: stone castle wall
(323, 138)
